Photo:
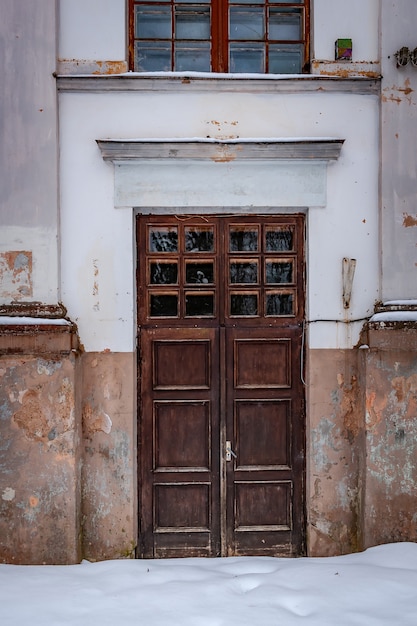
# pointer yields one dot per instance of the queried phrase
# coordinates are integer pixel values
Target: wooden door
(221, 433)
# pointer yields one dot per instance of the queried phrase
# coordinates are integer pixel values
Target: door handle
(229, 451)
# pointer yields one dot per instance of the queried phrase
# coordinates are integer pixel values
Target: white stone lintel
(192, 173)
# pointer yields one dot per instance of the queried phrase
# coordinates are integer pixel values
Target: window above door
(231, 36)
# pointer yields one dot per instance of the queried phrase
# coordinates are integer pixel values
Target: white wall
(399, 153)
(339, 19)
(97, 239)
(28, 148)
(92, 29)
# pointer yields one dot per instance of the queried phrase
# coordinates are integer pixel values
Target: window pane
(164, 306)
(250, 59)
(284, 24)
(279, 239)
(244, 272)
(247, 24)
(163, 273)
(193, 57)
(191, 23)
(278, 304)
(152, 56)
(163, 239)
(278, 272)
(199, 305)
(199, 239)
(243, 239)
(244, 304)
(286, 59)
(153, 22)
(199, 273)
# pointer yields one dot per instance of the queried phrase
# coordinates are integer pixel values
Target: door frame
(161, 214)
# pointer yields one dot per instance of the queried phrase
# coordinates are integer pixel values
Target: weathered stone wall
(40, 429)
(109, 495)
(391, 434)
(67, 494)
(335, 452)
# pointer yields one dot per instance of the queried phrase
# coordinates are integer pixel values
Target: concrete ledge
(38, 337)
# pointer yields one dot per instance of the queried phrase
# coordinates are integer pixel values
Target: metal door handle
(229, 451)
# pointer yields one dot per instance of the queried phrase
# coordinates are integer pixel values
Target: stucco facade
(87, 147)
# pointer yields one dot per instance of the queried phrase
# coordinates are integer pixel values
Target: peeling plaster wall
(391, 436)
(335, 453)
(399, 154)
(40, 431)
(109, 497)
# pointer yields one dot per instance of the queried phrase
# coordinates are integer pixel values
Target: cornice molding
(232, 83)
(305, 149)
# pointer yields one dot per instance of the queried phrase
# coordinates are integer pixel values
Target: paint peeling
(409, 220)
(87, 66)
(95, 292)
(31, 418)
(396, 94)
(222, 128)
(341, 69)
(8, 494)
(48, 368)
(16, 274)
(351, 414)
(96, 421)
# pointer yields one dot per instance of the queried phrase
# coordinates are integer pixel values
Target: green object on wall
(343, 50)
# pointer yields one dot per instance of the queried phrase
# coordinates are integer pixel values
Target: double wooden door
(221, 432)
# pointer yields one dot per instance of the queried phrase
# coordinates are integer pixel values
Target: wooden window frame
(219, 34)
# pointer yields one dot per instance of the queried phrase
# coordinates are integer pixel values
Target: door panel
(220, 310)
(266, 425)
(180, 462)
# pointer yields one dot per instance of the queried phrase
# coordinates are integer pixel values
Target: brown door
(221, 433)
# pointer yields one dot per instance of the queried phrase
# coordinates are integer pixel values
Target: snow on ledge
(401, 303)
(395, 316)
(9, 320)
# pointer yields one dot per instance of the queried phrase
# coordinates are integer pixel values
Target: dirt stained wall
(391, 441)
(40, 461)
(335, 454)
(109, 510)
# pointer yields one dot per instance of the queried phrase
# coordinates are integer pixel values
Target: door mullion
(223, 437)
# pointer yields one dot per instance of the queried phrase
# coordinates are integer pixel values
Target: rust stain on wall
(86, 66)
(222, 127)
(341, 69)
(31, 418)
(16, 274)
(375, 406)
(110, 67)
(409, 220)
(349, 406)
(397, 94)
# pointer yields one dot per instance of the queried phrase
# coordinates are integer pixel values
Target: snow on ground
(377, 587)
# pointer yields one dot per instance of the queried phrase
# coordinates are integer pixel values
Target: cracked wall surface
(39, 458)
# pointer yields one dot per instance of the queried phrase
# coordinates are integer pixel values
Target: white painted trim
(220, 173)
